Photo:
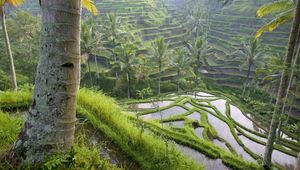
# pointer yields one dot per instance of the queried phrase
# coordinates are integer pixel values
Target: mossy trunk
(50, 125)
(282, 88)
(8, 49)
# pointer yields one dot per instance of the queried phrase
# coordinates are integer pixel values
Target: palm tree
(160, 54)
(181, 62)
(198, 50)
(283, 86)
(127, 60)
(283, 10)
(196, 23)
(251, 51)
(50, 124)
(117, 31)
(91, 42)
(271, 73)
(13, 3)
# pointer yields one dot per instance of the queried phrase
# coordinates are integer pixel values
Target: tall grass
(11, 99)
(10, 126)
(146, 149)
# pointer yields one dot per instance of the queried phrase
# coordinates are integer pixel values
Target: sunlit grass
(10, 127)
(148, 150)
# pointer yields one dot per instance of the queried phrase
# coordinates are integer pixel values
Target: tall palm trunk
(159, 78)
(289, 87)
(8, 49)
(96, 62)
(178, 77)
(282, 88)
(50, 125)
(90, 75)
(298, 162)
(249, 71)
(128, 85)
(248, 78)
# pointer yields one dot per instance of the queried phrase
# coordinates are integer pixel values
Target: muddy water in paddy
(224, 132)
(255, 136)
(220, 105)
(178, 124)
(194, 116)
(240, 118)
(200, 97)
(221, 144)
(199, 132)
(189, 105)
(278, 157)
(150, 105)
(204, 94)
(176, 110)
(210, 164)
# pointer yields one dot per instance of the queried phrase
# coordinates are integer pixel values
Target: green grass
(12, 100)
(146, 149)
(10, 126)
(103, 113)
(187, 138)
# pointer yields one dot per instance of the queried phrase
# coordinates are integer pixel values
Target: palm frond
(90, 6)
(279, 20)
(15, 2)
(274, 8)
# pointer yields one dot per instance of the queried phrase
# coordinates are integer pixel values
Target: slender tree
(283, 86)
(198, 51)
(160, 54)
(117, 31)
(181, 63)
(250, 51)
(7, 43)
(50, 125)
(298, 163)
(127, 60)
(91, 43)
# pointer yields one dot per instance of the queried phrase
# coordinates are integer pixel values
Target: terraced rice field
(209, 119)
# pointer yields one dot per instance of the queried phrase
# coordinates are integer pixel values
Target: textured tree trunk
(282, 88)
(296, 60)
(9, 52)
(50, 125)
(298, 163)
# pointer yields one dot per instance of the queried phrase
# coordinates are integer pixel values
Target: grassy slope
(146, 149)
